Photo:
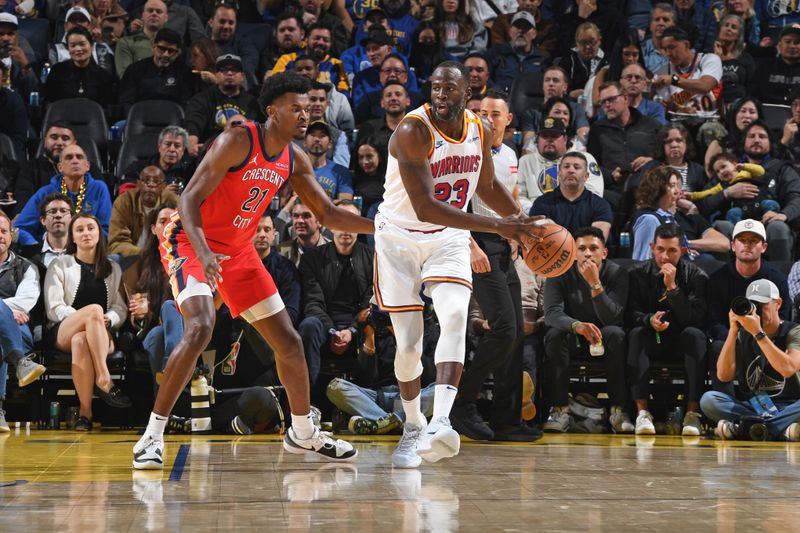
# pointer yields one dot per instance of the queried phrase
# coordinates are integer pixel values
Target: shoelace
(408, 440)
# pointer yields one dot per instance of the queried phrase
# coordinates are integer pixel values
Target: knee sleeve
(408, 329)
(451, 303)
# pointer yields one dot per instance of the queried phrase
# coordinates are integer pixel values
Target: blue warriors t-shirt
(334, 179)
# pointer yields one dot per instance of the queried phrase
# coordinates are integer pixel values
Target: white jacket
(61, 285)
(537, 175)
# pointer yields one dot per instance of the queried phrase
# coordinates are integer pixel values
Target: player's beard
(453, 112)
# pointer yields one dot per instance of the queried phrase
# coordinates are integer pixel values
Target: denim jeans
(162, 339)
(374, 404)
(14, 338)
(719, 406)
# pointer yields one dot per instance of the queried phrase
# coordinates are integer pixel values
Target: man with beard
(126, 233)
(478, 66)
(55, 212)
(170, 159)
(313, 14)
(222, 30)
(394, 68)
(289, 37)
(339, 113)
(161, 77)
(209, 111)
(339, 151)
(36, 173)
(749, 243)
(334, 179)
(318, 47)
(539, 170)
(780, 183)
(18, 58)
(519, 54)
(394, 102)
(139, 46)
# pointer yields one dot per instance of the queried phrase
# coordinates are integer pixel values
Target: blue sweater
(97, 201)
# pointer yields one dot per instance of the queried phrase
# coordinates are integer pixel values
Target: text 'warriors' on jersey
(455, 167)
(231, 212)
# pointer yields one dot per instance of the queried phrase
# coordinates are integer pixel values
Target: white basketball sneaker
(439, 442)
(321, 444)
(148, 454)
(405, 454)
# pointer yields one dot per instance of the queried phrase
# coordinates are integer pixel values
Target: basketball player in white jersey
(439, 156)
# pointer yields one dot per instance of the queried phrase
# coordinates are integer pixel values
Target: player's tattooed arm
(490, 190)
(308, 189)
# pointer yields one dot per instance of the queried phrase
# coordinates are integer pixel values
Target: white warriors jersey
(455, 167)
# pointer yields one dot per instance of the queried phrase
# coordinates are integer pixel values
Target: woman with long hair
(744, 112)
(369, 173)
(751, 29)
(84, 303)
(737, 65)
(658, 201)
(674, 148)
(150, 302)
(627, 50)
(458, 32)
(204, 54)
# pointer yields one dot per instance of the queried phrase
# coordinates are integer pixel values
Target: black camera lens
(742, 306)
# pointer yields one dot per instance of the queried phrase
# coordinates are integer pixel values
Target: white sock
(303, 426)
(443, 398)
(155, 428)
(413, 411)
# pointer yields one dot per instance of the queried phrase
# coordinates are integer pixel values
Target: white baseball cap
(8, 18)
(751, 226)
(78, 10)
(762, 291)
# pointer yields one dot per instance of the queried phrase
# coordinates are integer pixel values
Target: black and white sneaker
(148, 454)
(321, 444)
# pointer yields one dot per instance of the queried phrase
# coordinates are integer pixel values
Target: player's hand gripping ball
(554, 254)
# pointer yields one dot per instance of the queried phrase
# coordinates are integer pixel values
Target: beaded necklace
(81, 193)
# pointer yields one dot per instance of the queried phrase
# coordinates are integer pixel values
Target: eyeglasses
(633, 77)
(588, 42)
(166, 49)
(609, 100)
(397, 71)
(151, 181)
(57, 211)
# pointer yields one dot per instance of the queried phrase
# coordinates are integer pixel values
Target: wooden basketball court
(65, 481)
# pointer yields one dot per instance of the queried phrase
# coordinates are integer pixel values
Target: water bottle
(359, 202)
(33, 99)
(115, 133)
(516, 138)
(45, 73)
(201, 405)
(275, 204)
(625, 239)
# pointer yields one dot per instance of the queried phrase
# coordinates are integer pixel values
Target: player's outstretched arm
(229, 150)
(489, 189)
(305, 185)
(410, 145)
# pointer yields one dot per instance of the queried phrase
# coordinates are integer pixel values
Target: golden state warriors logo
(549, 123)
(548, 179)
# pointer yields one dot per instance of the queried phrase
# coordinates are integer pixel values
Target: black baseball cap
(229, 60)
(791, 29)
(377, 36)
(553, 125)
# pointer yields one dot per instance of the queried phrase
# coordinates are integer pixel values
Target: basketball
(554, 254)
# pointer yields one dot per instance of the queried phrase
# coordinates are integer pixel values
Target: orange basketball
(554, 254)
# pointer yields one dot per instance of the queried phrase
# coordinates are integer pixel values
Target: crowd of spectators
(663, 136)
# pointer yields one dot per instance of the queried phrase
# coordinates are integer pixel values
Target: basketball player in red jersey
(207, 246)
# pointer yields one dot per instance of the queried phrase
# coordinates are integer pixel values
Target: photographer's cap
(751, 226)
(762, 291)
(8, 18)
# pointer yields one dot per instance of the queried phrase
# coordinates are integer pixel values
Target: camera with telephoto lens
(742, 306)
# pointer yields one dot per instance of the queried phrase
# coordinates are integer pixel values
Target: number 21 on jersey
(454, 194)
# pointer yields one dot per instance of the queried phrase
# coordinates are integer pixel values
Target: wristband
(676, 80)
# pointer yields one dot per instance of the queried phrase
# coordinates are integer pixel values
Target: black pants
(561, 346)
(499, 350)
(689, 344)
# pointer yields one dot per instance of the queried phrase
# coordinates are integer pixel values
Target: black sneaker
(320, 445)
(83, 424)
(179, 425)
(114, 397)
(518, 433)
(466, 420)
(239, 427)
